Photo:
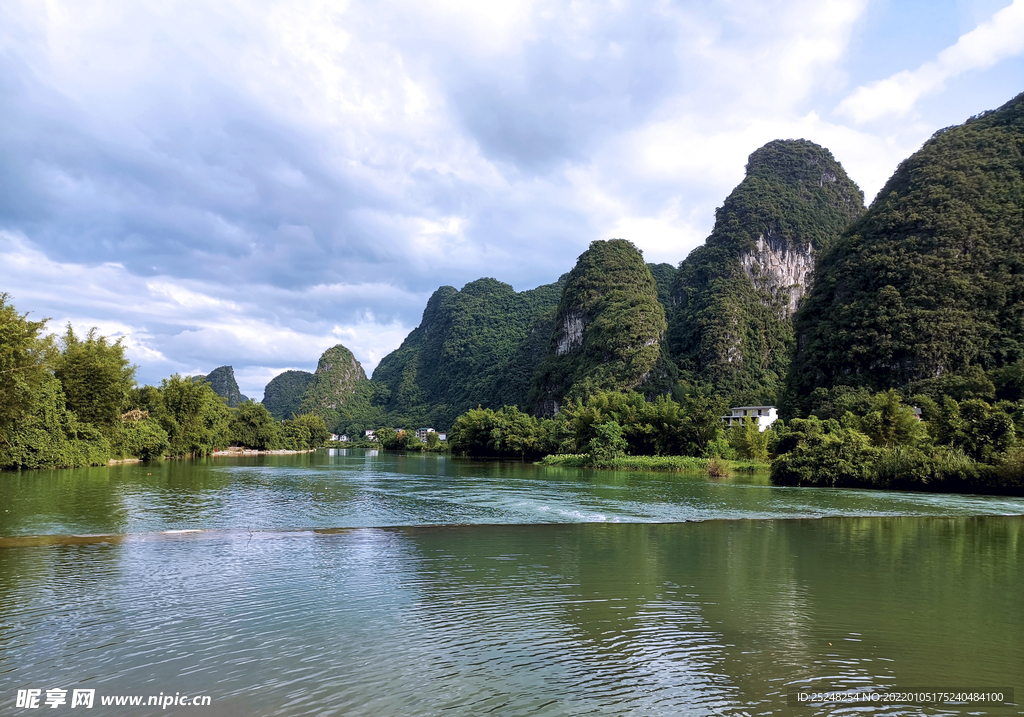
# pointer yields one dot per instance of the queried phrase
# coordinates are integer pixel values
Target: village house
(764, 416)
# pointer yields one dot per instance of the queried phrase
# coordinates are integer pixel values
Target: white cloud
(247, 183)
(1000, 37)
(170, 326)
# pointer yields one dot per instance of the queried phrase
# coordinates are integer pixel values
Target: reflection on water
(719, 617)
(341, 488)
(497, 588)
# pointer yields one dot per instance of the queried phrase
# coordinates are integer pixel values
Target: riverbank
(230, 452)
(671, 464)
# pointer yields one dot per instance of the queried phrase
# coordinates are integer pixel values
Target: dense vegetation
(73, 401)
(608, 330)
(929, 284)
(923, 293)
(283, 395)
(607, 424)
(969, 445)
(341, 395)
(479, 345)
(731, 325)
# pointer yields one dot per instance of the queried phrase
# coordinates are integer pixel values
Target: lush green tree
(433, 441)
(196, 419)
(388, 438)
(295, 436)
(892, 423)
(975, 427)
(506, 432)
(22, 365)
(96, 377)
(825, 454)
(139, 436)
(608, 441)
(50, 436)
(749, 441)
(252, 426)
(318, 433)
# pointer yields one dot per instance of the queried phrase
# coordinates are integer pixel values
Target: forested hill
(734, 297)
(222, 380)
(339, 391)
(477, 346)
(608, 330)
(283, 395)
(930, 282)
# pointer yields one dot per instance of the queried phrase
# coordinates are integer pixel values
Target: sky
(250, 183)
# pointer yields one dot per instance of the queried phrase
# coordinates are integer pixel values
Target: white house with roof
(765, 416)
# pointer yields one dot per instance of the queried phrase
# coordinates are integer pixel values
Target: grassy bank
(678, 464)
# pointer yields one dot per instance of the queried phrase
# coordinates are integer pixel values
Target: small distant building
(421, 433)
(343, 438)
(370, 433)
(917, 413)
(443, 436)
(764, 416)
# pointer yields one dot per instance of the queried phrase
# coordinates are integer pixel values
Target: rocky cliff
(222, 380)
(733, 300)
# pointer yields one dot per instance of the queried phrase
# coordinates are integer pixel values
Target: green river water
(351, 583)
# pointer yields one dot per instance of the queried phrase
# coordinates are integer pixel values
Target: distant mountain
(222, 380)
(340, 393)
(283, 395)
(730, 325)
(608, 329)
(929, 284)
(477, 346)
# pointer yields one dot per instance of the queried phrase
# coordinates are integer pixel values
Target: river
(356, 583)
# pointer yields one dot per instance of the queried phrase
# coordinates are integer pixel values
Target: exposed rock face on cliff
(779, 270)
(607, 332)
(283, 395)
(929, 284)
(477, 346)
(222, 380)
(734, 297)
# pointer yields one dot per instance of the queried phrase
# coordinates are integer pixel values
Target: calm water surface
(357, 584)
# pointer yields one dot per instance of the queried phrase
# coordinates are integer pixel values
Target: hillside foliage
(930, 282)
(608, 330)
(283, 395)
(730, 325)
(477, 346)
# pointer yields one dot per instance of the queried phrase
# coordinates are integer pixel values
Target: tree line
(73, 400)
(857, 439)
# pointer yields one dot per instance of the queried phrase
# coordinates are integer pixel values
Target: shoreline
(254, 452)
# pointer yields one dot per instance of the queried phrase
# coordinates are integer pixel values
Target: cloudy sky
(249, 183)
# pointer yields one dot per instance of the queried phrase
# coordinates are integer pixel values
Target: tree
(50, 436)
(22, 365)
(607, 442)
(314, 424)
(96, 377)
(891, 422)
(195, 418)
(252, 426)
